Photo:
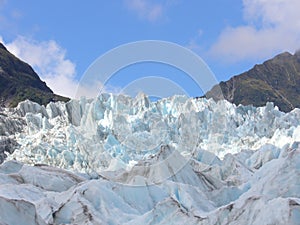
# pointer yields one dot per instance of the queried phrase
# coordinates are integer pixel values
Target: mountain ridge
(275, 80)
(18, 82)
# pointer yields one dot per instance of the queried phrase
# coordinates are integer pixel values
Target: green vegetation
(276, 80)
(19, 82)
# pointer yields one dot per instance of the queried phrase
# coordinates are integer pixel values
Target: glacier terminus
(121, 160)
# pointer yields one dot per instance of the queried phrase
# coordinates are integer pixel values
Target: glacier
(174, 161)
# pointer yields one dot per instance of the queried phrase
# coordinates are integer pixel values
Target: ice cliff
(175, 161)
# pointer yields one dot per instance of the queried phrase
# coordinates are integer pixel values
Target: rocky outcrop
(276, 80)
(19, 82)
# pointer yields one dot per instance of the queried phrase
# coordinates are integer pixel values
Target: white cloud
(271, 27)
(193, 44)
(49, 60)
(145, 9)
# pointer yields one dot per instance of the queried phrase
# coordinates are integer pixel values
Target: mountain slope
(19, 82)
(276, 80)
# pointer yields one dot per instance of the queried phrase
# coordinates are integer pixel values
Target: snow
(122, 160)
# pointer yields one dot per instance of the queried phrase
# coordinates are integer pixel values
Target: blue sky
(61, 39)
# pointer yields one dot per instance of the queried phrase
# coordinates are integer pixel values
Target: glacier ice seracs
(176, 160)
(114, 132)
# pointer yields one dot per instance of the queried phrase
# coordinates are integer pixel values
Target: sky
(62, 39)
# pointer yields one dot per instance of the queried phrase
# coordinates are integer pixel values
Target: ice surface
(45, 195)
(92, 135)
(175, 161)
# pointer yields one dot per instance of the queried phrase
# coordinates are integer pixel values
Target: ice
(121, 160)
(131, 128)
(270, 196)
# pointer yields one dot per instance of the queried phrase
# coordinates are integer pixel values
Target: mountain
(276, 80)
(19, 82)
